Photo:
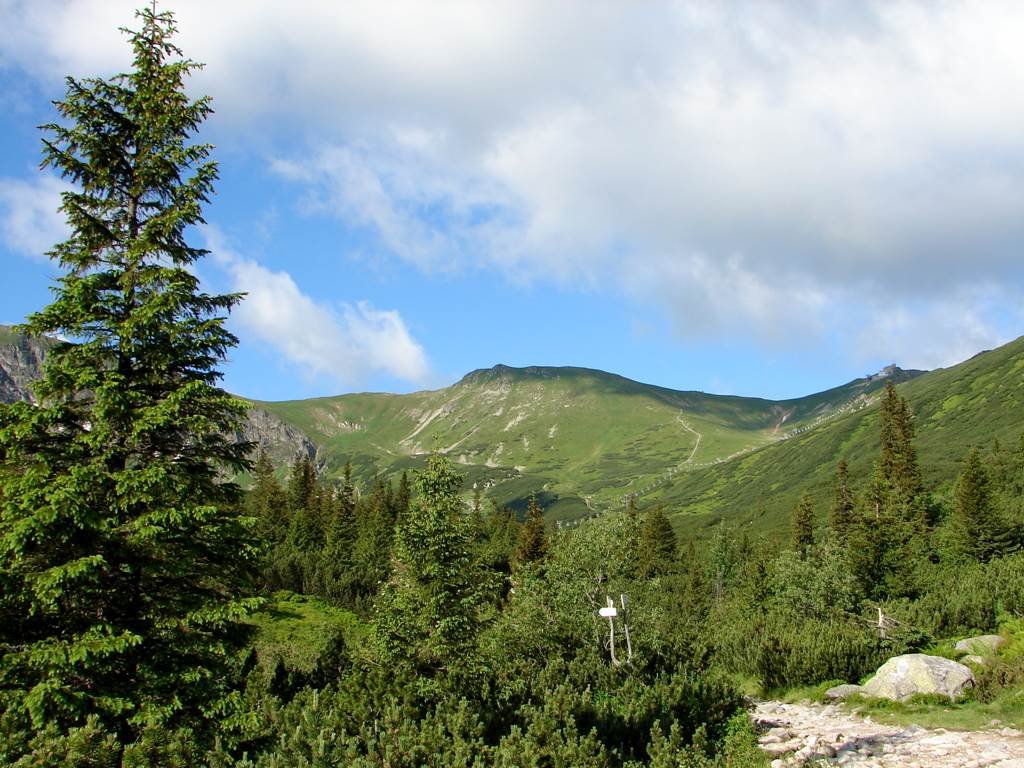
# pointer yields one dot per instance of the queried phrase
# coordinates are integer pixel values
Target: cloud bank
(29, 220)
(792, 169)
(346, 344)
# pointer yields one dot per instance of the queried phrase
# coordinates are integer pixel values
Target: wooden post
(625, 628)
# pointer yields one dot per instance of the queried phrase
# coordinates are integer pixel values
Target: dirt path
(826, 734)
(696, 445)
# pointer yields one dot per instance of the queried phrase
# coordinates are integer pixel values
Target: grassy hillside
(973, 403)
(580, 438)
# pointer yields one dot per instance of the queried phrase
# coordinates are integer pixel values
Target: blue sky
(762, 199)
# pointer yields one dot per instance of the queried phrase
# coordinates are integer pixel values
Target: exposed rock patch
(917, 673)
(826, 734)
(982, 645)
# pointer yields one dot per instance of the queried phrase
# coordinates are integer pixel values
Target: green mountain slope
(972, 403)
(580, 438)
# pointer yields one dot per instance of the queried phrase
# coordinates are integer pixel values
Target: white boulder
(904, 676)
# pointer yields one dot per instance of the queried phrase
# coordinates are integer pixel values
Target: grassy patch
(297, 628)
(938, 712)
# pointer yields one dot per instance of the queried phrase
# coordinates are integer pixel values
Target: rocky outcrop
(904, 676)
(21, 363)
(840, 692)
(982, 645)
(817, 734)
(282, 442)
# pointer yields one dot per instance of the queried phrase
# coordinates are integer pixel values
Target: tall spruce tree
(979, 530)
(427, 613)
(803, 525)
(889, 541)
(120, 543)
(843, 504)
(658, 549)
(533, 540)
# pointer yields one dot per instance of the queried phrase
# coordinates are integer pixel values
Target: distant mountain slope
(582, 438)
(972, 403)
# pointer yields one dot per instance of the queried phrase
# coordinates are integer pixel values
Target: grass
(296, 629)
(1007, 710)
(572, 432)
(973, 403)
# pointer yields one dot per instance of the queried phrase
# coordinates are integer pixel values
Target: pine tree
(427, 613)
(721, 561)
(843, 504)
(980, 532)
(889, 539)
(658, 549)
(897, 470)
(533, 541)
(403, 496)
(120, 543)
(803, 525)
(266, 501)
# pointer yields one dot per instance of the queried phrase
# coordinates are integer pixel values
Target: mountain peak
(894, 372)
(502, 373)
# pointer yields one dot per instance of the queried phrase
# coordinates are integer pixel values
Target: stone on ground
(904, 676)
(842, 691)
(982, 645)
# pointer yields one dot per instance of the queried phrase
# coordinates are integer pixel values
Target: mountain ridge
(583, 439)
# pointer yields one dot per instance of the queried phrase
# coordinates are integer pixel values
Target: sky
(756, 198)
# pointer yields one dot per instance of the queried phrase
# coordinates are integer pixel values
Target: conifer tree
(658, 548)
(843, 504)
(889, 542)
(427, 613)
(120, 543)
(533, 542)
(979, 531)
(266, 501)
(402, 496)
(898, 476)
(803, 525)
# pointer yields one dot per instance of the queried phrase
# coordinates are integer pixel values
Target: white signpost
(610, 612)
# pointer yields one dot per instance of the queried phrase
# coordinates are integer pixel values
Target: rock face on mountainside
(283, 442)
(21, 362)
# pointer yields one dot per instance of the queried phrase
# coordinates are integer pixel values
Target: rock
(978, 661)
(840, 692)
(982, 645)
(904, 676)
(21, 363)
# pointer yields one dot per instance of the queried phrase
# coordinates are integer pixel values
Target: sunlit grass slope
(580, 438)
(972, 403)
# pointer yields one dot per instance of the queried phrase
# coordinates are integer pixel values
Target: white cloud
(748, 164)
(940, 334)
(29, 220)
(346, 344)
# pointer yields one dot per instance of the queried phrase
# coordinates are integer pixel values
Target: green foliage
(657, 549)
(979, 530)
(427, 614)
(123, 553)
(803, 525)
(843, 504)
(888, 545)
(532, 544)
